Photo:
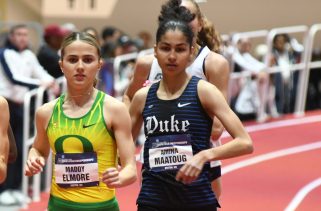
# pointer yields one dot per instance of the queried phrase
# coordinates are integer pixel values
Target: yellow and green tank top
(78, 144)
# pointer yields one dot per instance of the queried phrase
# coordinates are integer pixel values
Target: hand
(34, 165)
(191, 170)
(111, 178)
(147, 83)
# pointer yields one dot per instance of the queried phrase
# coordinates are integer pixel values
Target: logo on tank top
(180, 105)
(158, 76)
(86, 126)
(163, 126)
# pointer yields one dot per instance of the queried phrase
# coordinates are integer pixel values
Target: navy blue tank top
(175, 130)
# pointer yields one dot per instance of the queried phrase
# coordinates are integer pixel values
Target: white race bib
(76, 169)
(169, 152)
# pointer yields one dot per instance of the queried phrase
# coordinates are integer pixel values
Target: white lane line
(278, 124)
(269, 156)
(302, 194)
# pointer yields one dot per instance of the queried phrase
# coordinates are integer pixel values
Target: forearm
(234, 148)
(128, 174)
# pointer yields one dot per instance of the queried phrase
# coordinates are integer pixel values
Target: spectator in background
(110, 36)
(92, 31)
(70, 27)
(254, 91)
(20, 71)
(125, 45)
(285, 82)
(146, 37)
(48, 55)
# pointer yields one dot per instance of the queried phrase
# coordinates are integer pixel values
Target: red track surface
(264, 186)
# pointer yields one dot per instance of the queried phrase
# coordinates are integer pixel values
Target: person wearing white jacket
(20, 71)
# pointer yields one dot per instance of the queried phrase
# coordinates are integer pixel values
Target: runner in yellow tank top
(84, 129)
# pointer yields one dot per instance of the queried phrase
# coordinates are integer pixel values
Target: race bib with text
(169, 152)
(76, 169)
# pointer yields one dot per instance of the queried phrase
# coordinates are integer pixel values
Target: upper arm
(215, 104)
(42, 117)
(141, 73)
(136, 110)
(120, 124)
(217, 72)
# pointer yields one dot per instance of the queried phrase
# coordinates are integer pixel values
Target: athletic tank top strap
(155, 73)
(197, 68)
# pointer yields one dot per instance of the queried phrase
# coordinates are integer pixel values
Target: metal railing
(119, 83)
(303, 67)
(304, 76)
(36, 96)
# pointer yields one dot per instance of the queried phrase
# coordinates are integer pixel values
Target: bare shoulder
(207, 89)
(146, 60)
(3, 102)
(217, 63)
(141, 94)
(144, 63)
(207, 92)
(45, 111)
(204, 85)
(113, 105)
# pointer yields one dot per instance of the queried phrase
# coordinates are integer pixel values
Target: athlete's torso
(76, 172)
(175, 130)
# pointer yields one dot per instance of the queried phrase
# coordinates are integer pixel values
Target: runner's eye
(72, 60)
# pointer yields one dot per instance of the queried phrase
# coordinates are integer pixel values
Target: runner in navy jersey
(178, 113)
(205, 63)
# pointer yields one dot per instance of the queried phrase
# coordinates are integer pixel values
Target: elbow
(248, 148)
